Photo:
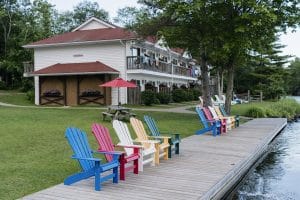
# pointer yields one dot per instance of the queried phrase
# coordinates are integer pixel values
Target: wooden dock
(206, 168)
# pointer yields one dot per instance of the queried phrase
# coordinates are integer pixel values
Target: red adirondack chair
(210, 118)
(104, 140)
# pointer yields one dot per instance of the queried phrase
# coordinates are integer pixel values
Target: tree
(227, 30)
(86, 9)
(68, 20)
(127, 16)
(294, 77)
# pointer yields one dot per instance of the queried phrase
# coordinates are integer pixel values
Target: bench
(106, 114)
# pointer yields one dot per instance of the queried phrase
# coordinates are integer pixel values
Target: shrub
(256, 112)
(189, 95)
(179, 95)
(27, 85)
(2, 86)
(30, 95)
(196, 94)
(148, 97)
(164, 98)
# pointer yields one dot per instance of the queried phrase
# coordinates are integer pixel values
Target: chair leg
(136, 166)
(141, 166)
(170, 151)
(115, 178)
(156, 156)
(97, 177)
(122, 167)
(166, 156)
(177, 148)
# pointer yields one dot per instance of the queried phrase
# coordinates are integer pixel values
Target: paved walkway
(206, 168)
(179, 109)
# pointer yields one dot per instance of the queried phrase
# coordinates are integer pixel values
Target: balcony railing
(182, 71)
(28, 68)
(138, 62)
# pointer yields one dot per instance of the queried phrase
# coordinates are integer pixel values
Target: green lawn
(15, 98)
(34, 153)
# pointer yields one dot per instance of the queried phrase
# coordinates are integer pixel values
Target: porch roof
(75, 69)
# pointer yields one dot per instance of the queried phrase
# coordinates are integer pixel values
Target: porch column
(36, 90)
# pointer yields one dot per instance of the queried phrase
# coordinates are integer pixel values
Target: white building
(70, 65)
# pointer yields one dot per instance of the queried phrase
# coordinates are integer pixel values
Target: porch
(73, 84)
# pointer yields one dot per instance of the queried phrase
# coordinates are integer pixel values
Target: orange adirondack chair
(161, 148)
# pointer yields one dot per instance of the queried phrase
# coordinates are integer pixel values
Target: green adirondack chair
(174, 140)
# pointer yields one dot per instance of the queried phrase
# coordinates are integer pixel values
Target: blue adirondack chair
(209, 125)
(90, 166)
(174, 140)
(236, 117)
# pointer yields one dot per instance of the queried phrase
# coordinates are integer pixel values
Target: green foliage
(288, 108)
(189, 95)
(179, 95)
(294, 77)
(164, 98)
(196, 94)
(2, 86)
(30, 96)
(256, 112)
(148, 97)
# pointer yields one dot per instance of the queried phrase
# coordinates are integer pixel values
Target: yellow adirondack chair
(230, 119)
(162, 148)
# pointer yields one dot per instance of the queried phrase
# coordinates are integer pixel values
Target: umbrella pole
(119, 97)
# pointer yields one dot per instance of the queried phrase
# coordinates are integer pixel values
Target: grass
(287, 108)
(14, 97)
(34, 153)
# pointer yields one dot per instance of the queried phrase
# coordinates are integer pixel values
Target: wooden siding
(206, 168)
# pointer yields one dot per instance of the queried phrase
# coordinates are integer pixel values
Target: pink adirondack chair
(209, 116)
(104, 140)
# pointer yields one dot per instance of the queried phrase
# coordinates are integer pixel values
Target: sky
(292, 40)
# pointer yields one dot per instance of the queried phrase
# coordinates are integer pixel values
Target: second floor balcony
(28, 68)
(146, 63)
(139, 62)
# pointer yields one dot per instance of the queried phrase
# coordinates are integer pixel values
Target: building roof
(75, 69)
(93, 35)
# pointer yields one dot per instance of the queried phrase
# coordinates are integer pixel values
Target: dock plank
(205, 169)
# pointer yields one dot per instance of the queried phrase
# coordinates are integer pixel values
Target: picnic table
(118, 112)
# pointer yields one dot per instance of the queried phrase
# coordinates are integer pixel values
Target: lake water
(277, 176)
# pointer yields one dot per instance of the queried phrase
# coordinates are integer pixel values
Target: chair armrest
(160, 137)
(129, 146)
(90, 159)
(149, 141)
(109, 152)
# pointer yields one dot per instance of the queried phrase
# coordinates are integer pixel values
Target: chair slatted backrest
(152, 125)
(123, 134)
(223, 111)
(140, 131)
(104, 140)
(202, 117)
(213, 113)
(80, 146)
(218, 111)
(207, 114)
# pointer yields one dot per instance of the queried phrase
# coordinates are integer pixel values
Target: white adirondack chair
(224, 99)
(124, 136)
(220, 101)
(162, 148)
(216, 117)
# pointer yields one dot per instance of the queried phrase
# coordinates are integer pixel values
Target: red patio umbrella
(118, 82)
